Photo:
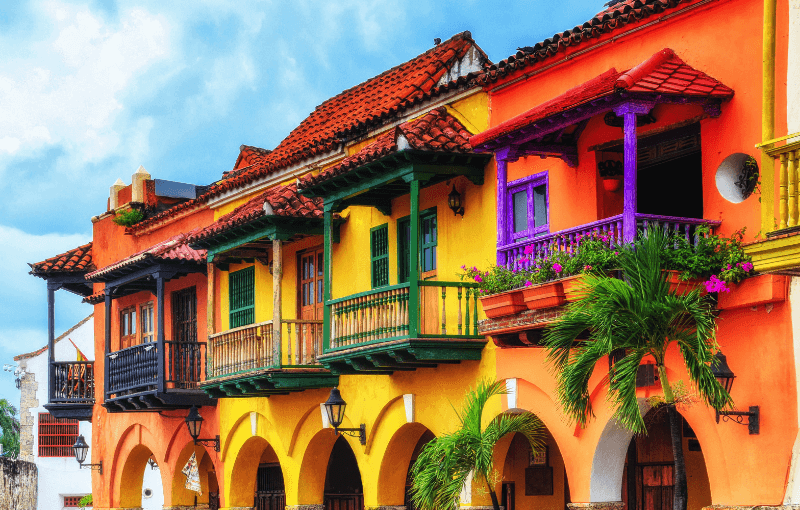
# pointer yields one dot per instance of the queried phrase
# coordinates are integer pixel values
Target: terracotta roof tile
(282, 200)
(657, 74)
(614, 17)
(349, 114)
(437, 130)
(97, 297)
(175, 248)
(77, 260)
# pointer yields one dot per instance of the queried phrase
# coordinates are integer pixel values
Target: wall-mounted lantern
(725, 376)
(334, 407)
(454, 201)
(195, 422)
(80, 448)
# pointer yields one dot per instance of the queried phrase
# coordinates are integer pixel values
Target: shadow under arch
(396, 462)
(130, 492)
(241, 487)
(311, 478)
(129, 458)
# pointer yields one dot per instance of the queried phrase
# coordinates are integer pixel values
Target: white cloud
(67, 89)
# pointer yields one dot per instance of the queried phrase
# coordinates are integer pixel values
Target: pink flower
(463, 266)
(528, 283)
(587, 267)
(714, 284)
(557, 267)
(605, 239)
(529, 249)
(747, 267)
(478, 278)
(616, 253)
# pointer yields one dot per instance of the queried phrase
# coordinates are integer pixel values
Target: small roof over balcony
(432, 148)
(278, 213)
(553, 127)
(68, 269)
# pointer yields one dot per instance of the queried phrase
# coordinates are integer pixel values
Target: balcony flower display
(714, 259)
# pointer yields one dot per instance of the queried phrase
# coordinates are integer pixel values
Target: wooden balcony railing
(251, 347)
(135, 369)
(568, 240)
(446, 310)
(73, 382)
(789, 184)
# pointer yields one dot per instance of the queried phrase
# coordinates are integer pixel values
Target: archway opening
(533, 479)
(141, 481)
(194, 480)
(648, 477)
(257, 478)
(426, 438)
(343, 488)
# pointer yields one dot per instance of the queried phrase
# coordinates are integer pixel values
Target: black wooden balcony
(142, 378)
(71, 391)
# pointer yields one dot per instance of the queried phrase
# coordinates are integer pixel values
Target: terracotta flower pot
(545, 295)
(683, 286)
(612, 183)
(572, 285)
(754, 291)
(506, 303)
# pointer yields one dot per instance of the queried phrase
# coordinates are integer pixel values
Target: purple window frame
(527, 184)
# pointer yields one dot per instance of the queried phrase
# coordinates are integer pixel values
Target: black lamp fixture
(334, 407)
(195, 422)
(80, 448)
(725, 376)
(454, 201)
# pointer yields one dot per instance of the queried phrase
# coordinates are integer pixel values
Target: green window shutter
(242, 295)
(403, 247)
(379, 253)
(428, 240)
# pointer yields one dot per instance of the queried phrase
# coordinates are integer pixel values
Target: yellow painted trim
(779, 139)
(775, 254)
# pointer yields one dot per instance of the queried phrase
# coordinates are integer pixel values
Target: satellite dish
(737, 177)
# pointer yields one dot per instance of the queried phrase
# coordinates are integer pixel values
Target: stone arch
(134, 446)
(132, 474)
(180, 495)
(395, 463)
(311, 477)
(241, 485)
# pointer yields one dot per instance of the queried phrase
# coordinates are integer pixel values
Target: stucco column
(277, 273)
(628, 111)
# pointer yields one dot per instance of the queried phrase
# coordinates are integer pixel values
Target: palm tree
(444, 464)
(9, 426)
(640, 316)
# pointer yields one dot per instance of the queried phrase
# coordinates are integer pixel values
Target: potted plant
(611, 173)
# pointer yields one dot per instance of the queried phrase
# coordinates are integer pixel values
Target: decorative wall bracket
(753, 418)
(209, 442)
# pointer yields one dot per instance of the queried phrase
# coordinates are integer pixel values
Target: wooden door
(270, 494)
(657, 486)
(311, 302)
(183, 352)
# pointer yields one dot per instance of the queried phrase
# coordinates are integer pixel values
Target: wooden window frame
(527, 184)
(382, 258)
(232, 278)
(319, 262)
(402, 277)
(175, 326)
(63, 432)
(133, 337)
(149, 305)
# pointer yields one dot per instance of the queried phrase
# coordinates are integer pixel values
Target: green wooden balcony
(403, 327)
(247, 361)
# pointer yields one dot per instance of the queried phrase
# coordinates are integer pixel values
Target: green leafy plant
(641, 316)
(128, 218)
(85, 501)
(9, 425)
(443, 465)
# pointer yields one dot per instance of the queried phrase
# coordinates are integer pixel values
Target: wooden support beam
(277, 273)
(210, 300)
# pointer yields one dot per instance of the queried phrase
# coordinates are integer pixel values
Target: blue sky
(90, 91)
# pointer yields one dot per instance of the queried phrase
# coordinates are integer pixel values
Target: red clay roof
(611, 19)
(76, 260)
(97, 297)
(348, 114)
(282, 200)
(663, 73)
(175, 248)
(436, 131)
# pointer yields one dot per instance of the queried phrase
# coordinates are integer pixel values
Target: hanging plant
(128, 218)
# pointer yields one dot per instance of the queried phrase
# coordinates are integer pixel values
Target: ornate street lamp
(723, 373)
(80, 448)
(454, 201)
(194, 422)
(334, 407)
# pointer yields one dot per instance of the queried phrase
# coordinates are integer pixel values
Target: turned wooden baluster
(794, 189)
(466, 315)
(460, 328)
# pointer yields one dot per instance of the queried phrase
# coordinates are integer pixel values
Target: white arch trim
(609, 460)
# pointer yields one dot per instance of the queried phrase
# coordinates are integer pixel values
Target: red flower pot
(506, 303)
(545, 295)
(612, 184)
(683, 286)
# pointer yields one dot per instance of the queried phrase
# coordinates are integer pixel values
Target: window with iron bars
(56, 437)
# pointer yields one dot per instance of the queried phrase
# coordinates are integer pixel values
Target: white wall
(793, 74)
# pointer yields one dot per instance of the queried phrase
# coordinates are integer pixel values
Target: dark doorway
(270, 493)
(507, 496)
(184, 354)
(427, 436)
(343, 489)
(670, 174)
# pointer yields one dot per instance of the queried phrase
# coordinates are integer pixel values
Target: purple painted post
(628, 111)
(502, 217)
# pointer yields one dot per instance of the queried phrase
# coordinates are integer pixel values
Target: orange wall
(702, 40)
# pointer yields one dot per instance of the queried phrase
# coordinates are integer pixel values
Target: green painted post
(327, 216)
(474, 311)
(413, 291)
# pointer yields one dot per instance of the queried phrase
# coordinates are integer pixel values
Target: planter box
(683, 286)
(545, 295)
(505, 303)
(572, 285)
(758, 290)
